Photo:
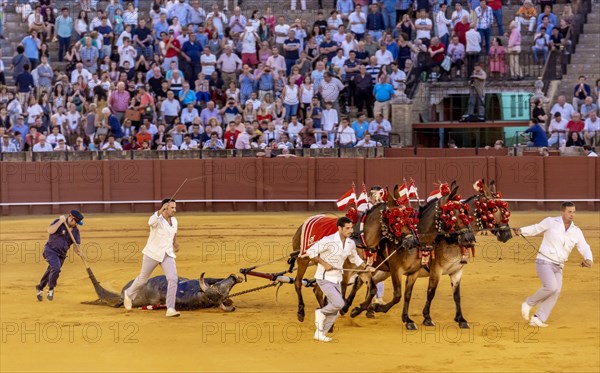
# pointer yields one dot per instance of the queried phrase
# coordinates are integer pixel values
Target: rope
(274, 283)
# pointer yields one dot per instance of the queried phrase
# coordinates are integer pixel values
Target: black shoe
(39, 292)
(51, 294)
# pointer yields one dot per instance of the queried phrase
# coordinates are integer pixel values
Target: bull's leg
(302, 266)
(357, 284)
(455, 278)
(410, 283)
(396, 275)
(434, 279)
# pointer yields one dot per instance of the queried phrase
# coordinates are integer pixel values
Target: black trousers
(362, 97)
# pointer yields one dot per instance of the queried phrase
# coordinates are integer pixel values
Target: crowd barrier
(282, 184)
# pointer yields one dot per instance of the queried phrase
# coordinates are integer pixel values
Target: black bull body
(192, 294)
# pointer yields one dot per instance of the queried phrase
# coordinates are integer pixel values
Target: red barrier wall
(234, 179)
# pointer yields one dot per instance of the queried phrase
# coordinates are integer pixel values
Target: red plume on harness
(396, 218)
(442, 190)
(478, 186)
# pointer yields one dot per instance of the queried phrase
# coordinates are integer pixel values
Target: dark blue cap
(78, 216)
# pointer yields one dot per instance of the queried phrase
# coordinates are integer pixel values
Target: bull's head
(217, 292)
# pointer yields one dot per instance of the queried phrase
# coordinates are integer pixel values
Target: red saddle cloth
(315, 228)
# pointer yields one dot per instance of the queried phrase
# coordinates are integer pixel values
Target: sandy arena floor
(262, 336)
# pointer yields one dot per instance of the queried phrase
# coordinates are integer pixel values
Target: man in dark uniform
(55, 250)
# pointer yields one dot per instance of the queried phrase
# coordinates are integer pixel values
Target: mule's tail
(105, 297)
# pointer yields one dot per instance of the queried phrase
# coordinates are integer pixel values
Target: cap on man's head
(77, 216)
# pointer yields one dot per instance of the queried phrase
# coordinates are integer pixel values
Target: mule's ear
(493, 187)
(453, 190)
(391, 202)
(486, 191)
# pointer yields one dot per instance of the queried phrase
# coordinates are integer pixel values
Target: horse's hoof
(411, 326)
(370, 314)
(428, 322)
(355, 312)
(464, 325)
(300, 317)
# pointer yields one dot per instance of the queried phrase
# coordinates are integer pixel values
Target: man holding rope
(560, 236)
(331, 253)
(55, 250)
(160, 249)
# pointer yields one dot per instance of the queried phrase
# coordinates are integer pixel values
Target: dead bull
(192, 294)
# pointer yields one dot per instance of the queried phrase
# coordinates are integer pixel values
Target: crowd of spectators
(194, 78)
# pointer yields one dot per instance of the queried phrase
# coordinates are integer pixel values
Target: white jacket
(333, 251)
(558, 243)
(160, 241)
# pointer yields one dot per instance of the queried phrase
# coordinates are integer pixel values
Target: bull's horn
(203, 284)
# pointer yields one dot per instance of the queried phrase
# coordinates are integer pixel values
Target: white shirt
(363, 144)
(192, 145)
(565, 111)
(358, 28)
(170, 108)
(441, 24)
(349, 46)
(397, 77)
(87, 76)
(557, 126)
(558, 243)
(160, 240)
(473, 41)
(335, 252)
(423, 34)
(346, 135)
(329, 119)
(384, 58)
(283, 29)
(320, 145)
(457, 17)
(592, 126)
(114, 146)
(204, 59)
(39, 148)
(375, 130)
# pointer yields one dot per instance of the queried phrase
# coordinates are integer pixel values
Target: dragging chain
(274, 283)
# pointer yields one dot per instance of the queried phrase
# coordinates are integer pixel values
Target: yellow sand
(261, 335)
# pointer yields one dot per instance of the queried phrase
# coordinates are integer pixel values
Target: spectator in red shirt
(437, 51)
(496, 6)
(461, 29)
(230, 136)
(575, 124)
(143, 135)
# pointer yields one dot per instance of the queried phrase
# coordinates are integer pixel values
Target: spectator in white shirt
(80, 71)
(357, 21)
(111, 144)
(458, 13)
(561, 235)
(169, 145)
(367, 142)
(591, 129)
(323, 144)
(346, 137)
(384, 57)
(329, 121)
(189, 114)
(565, 109)
(282, 31)
(380, 129)
(558, 130)
(188, 143)
(170, 107)
(42, 145)
(424, 26)
(397, 76)
(294, 128)
(55, 136)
